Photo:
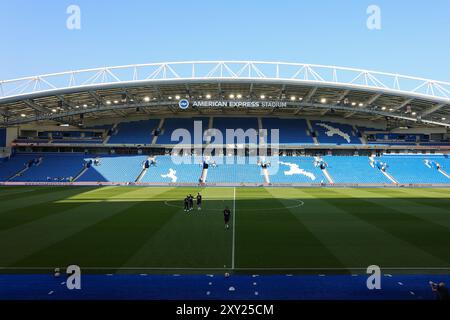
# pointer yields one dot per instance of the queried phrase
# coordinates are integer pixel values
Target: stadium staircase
(260, 124)
(204, 175)
(160, 127)
(19, 173)
(113, 129)
(80, 174)
(357, 132)
(211, 122)
(266, 175)
(324, 170)
(444, 173)
(389, 176)
(310, 131)
(25, 169)
(143, 172)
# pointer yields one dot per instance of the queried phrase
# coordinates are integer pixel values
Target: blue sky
(414, 38)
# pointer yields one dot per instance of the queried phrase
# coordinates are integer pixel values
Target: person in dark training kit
(199, 201)
(191, 202)
(226, 217)
(186, 204)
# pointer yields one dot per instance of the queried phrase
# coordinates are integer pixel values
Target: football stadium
(325, 170)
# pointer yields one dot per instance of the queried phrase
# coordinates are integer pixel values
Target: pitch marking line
(234, 228)
(299, 204)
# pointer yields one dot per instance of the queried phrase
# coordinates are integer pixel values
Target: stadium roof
(156, 88)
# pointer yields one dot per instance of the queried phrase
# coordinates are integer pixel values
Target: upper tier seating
(353, 169)
(172, 124)
(334, 133)
(221, 124)
(135, 132)
(291, 131)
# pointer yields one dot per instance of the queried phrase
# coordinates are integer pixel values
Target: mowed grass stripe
(24, 240)
(274, 238)
(428, 197)
(353, 241)
(109, 240)
(112, 241)
(32, 191)
(42, 196)
(428, 236)
(438, 214)
(9, 193)
(436, 209)
(21, 215)
(189, 240)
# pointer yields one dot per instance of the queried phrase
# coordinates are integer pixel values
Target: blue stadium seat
(177, 169)
(54, 167)
(222, 123)
(412, 169)
(114, 168)
(135, 132)
(172, 124)
(353, 169)
(335, 133)
(405, 169)
(9, 167)
(291, 131)
(295, 170)
(235, 169)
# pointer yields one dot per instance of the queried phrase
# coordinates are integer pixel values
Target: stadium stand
(409, 169)
(222, 123)
(353, 169)
(65, 167)
(295, 170)
(114, 168)
(53, 167)
(171, 124)
(234, 170)
(291, 131)
(174, 170)
(335, 133)
(10, 167)
(134, 132)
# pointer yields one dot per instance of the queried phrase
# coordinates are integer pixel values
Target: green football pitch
(296, 230)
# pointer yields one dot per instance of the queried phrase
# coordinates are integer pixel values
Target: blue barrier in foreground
(219, 287)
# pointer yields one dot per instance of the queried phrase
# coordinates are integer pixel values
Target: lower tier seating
(51, 167)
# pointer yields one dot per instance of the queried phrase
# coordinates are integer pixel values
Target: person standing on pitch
(186, 204)
(199, 201)
(191, 202)
(226, 217)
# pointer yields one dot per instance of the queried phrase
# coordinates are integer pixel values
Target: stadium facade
(118, 125)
